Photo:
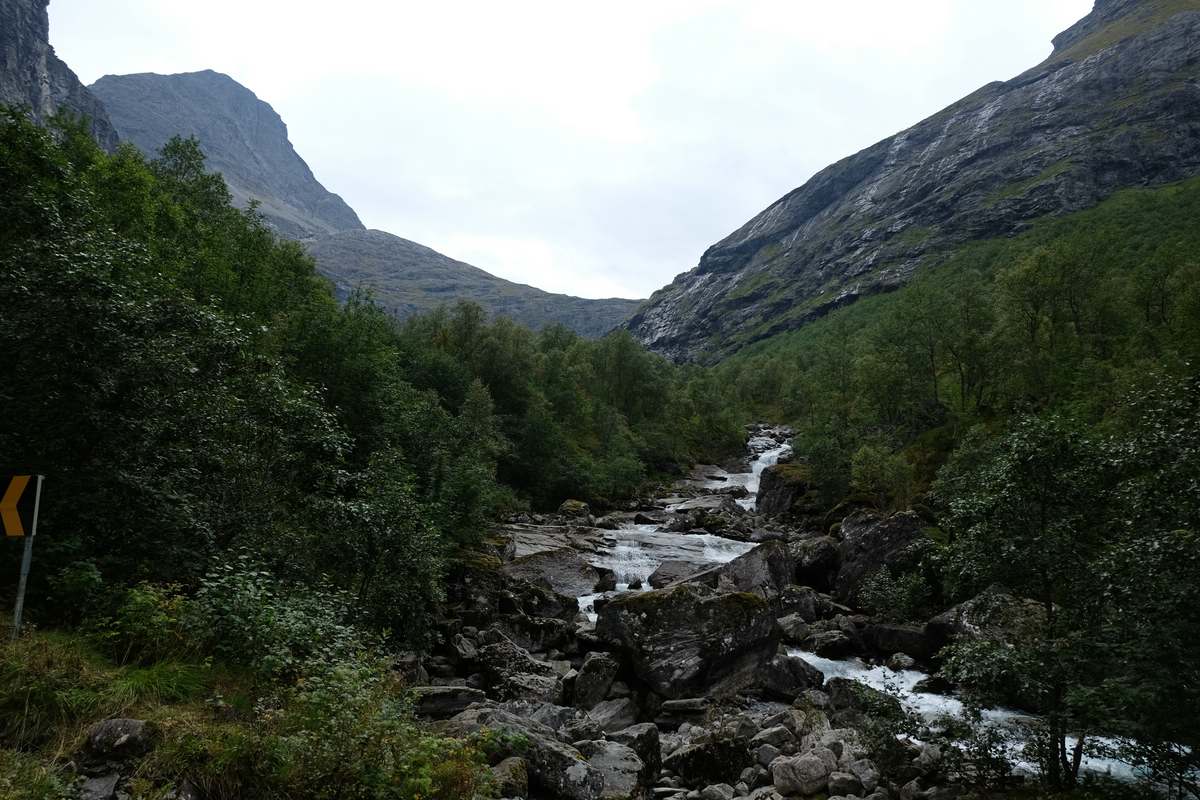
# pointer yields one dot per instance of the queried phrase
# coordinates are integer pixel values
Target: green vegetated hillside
(254, 492)
(1068, 317)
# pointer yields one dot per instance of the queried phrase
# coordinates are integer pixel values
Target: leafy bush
(902, 598)
(243, 615)
(148, 626)
(343, 731)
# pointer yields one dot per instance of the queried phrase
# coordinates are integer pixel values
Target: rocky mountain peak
(33, 77)
(1117, 105)
(242, 136)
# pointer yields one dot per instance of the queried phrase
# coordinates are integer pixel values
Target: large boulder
(786, 677)
(595, 678)
(787, 489)
(614, 714)
(714, 759)
(802, 775)
(817, 560)
(872, 541)
(992, 614)
(765, 571)
(886, 639)
(624, 772)
(643, 739)
(670, 572)
(562, 570)
(115, 740)
(689, 640)
(516, 675)
(554, 767)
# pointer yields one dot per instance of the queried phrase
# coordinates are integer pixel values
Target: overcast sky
(590, 148)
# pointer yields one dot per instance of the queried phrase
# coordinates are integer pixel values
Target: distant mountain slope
(33, 77)
(242, 136)
(246, 141)
(408, 277)
(1116, 105)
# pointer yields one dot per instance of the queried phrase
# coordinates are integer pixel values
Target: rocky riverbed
(702, 645)
(681, 649)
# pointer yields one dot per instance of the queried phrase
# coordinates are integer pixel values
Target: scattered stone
(623, 771)
(103, 787)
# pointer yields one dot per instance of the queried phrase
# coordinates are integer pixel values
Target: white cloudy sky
(591, 148)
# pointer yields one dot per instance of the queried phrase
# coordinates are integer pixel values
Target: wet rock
(615, 714)
(786, 677)
(899, 662)
(439, 702)
(715, 759)
(766, 571)
(562, 570)
(516, 675)
(623, 772)
(885, 639)
(844, 783)
(512, 777)
(671, 572)
(688, 640)
(870, 542)
(831, 644)
(575, 509)
(787, 489)
(644, 740)
(802, 775)
(595, 678)
(817, 561)
(795, 629)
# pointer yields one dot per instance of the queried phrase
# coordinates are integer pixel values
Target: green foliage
(246, 616)
(23, 777)
(903, 598)
(886, 476)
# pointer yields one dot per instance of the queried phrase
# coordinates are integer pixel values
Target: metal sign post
(25, 559)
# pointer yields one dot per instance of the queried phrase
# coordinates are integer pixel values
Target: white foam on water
(932, 707)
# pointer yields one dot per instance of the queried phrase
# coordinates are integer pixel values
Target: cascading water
(932, 708)
(765, 451)
(634, 552)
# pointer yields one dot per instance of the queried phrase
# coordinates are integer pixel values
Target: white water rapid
(634, 552)
(932, 708)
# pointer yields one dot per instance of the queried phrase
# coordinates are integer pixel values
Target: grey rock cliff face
(1116, 105)
(33, 77)
(242, 137)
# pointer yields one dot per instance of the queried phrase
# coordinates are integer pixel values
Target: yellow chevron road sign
(17, 506)
(19, 516)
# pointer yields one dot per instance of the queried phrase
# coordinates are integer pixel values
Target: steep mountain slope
(408, 277)
(33, 77)
(242, 136)
(1116, 105)
(247, 142)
